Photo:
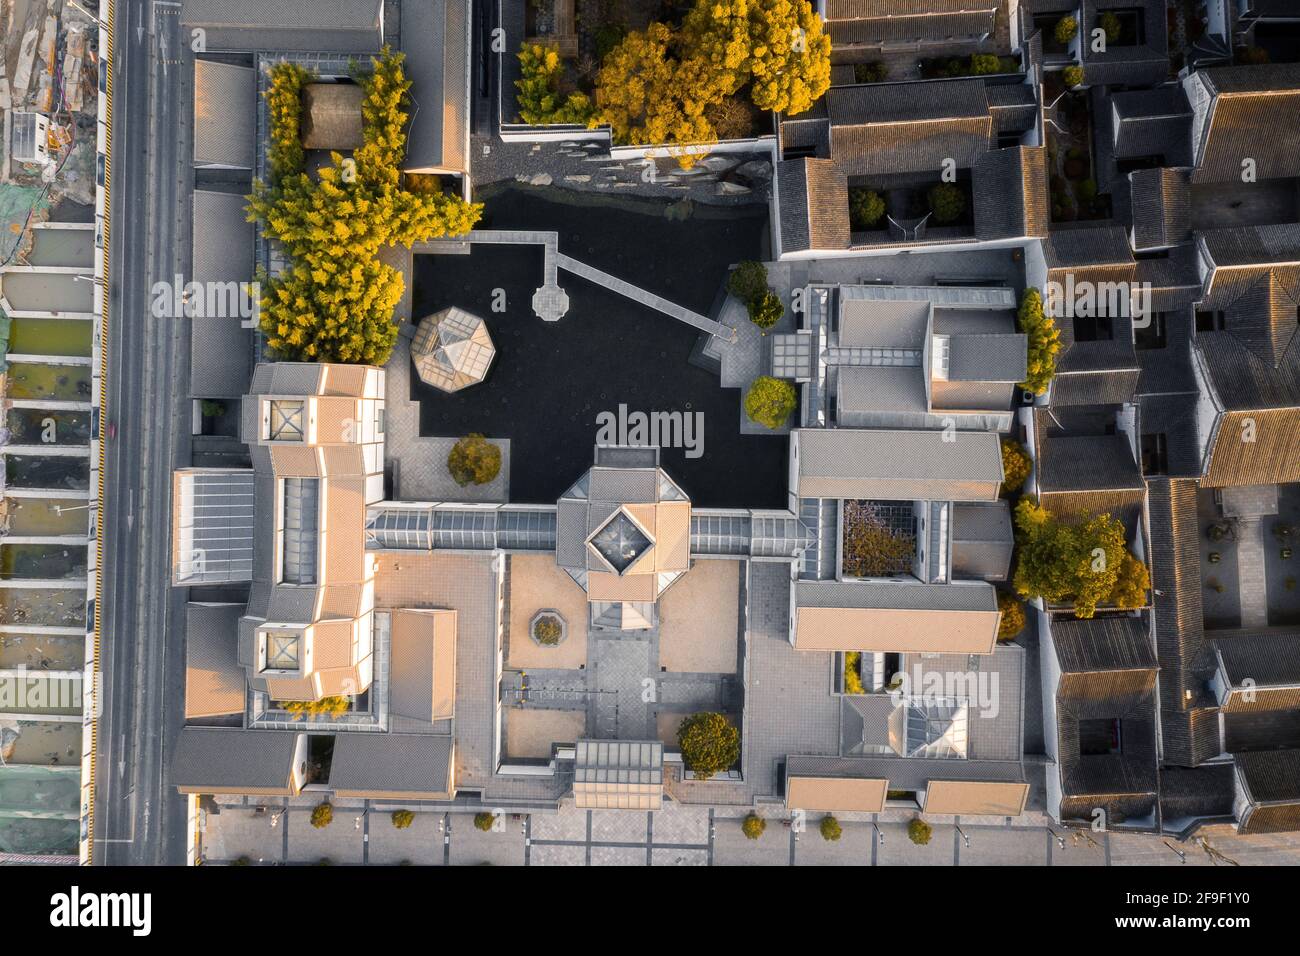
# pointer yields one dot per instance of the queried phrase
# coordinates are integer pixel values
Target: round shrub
(770, 401)
(322, 816)
(866, 208)
(1012, 621)
(748, 281)
(1072, 75)
(403, 819)
(919, 832)
(1066, 29)
(474, 460)
(831, 829)
(484, 821)
(1015, 466)
(947, 202)
(548, 630)
(709, 743)
(753, 826)
(766, 310)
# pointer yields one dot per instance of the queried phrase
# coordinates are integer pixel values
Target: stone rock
(541, 179)
(577, 179)
(718, 163)
(732, 189)
(756, 170)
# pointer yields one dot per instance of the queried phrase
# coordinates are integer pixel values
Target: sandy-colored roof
(836, 794)
(331, 116)
(976, 797)
(423, 663)
(895, 630)
(214, 681)
(294, 461)
(608, 586)
(673, 536)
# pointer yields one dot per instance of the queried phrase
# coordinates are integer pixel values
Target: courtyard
(550, 380)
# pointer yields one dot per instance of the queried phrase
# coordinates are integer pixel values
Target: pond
(31, 471)
(50, 337)
(45, 561)
(43, 607)
(550, 380)
(37, 426)
(34, 516)
(64, 383)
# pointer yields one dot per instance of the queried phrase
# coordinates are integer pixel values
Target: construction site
(49, 331)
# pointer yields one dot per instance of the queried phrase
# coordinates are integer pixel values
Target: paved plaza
(681, 835)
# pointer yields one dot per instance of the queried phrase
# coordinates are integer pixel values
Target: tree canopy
(1084, 564)
(335, 302)
(709, 744)
(1044, 342)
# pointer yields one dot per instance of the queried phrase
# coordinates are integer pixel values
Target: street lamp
(1182, 857)
(880, 834)
(1060, 840)
(964, 837)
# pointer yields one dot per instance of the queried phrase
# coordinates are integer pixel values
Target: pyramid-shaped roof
(452, 349)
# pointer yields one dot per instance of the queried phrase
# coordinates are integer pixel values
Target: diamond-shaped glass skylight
(620, 541)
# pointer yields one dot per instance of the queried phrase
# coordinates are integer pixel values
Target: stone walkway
(1252, 582)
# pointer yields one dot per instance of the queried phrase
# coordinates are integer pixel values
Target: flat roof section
(835, 794)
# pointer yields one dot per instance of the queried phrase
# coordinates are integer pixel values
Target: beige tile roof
(423, 663)
(608, 586)
(294, 461)
(976, 797)
(836, 794)
(673, 537)
(895, 630)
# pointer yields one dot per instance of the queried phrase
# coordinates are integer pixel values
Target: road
(140, 821)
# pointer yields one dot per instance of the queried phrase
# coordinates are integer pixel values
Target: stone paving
(693, 836)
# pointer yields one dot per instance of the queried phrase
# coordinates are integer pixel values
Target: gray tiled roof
(335, 26)
(982, 540)
(221, 349)
(988, 358)
(869, 594)
(1244, 122)
(231, 759)
(1086, 463)
(1269, 658)
(814, 205)
(898, 465)
(391, 763)
(1112, 642)
(435, 37)
(225, 110)
(1161, 207)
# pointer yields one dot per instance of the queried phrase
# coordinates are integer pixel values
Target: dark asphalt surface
(139, 819)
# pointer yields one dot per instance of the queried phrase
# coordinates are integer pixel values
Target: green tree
(1066, 29)
(485, 821)
(985, 64)
(766, 310)
(1134, 582)
(748, 281)
(649, 95)
(778, 47)
(918, 831)
(322, 815)
(539, 98)
(753, 826)
(1072, 76)
(335, 302)
(770, 401)
(872, 72)
(1012, 621)
(947, 202)
(709, 744)
(1016, 466)
(1044, 342)
(866, 208)
(474, 460)
(283, 96)
(1079, 564)
(403, 819)
(1111, 25)
(831, 829)
(333, 706)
